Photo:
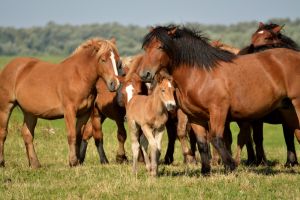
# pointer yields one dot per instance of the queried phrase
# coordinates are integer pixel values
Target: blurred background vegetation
(55, 39)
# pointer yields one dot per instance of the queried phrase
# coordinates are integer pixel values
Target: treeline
(54, 39)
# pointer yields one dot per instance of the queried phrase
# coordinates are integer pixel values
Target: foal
(150, 113)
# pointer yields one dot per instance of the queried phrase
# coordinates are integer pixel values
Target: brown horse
(51, 91)
(150, 113)
(214, 85)
(111, 105)
(269, 36)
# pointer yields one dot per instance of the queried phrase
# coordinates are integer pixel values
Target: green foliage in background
(54, 39)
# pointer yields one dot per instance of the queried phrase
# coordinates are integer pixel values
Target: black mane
(285, 42)
(188, 47)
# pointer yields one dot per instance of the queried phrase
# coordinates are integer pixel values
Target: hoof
(2, 163)
(121, 159)
(205, 170)
(291, 164)
(36, 166)
(230, 167)
(73, 163)
(190, 159)
(168, 160)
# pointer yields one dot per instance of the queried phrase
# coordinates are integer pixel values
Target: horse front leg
(217, 122)
(70, 120)
(122, 135)
(80, 126)
(171, 131)
(28, 135)
(203, 146)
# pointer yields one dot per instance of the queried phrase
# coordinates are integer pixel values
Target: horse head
(266, 35)
(158, 46)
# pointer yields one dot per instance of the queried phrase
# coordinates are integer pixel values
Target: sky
(28, 13)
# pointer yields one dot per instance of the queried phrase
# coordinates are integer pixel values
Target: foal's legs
(135, 145)
(5, 112)
(258, 140)
(28, 135)
(154, 152)
(80, 125)
(243, 138)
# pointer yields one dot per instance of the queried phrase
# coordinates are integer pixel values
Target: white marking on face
(113, 61)
(260, 32)
(169, 84)
(148, 85)
(172, 103)
(129, 91)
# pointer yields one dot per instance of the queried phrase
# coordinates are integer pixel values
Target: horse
(51, 91)
(150, 113)
(226, 47)
(111, 105)
(213, 85)
(269, 36)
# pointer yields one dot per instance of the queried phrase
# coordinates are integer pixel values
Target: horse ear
(113, 40)
(172, 31)
(277, 29)
(260, 25)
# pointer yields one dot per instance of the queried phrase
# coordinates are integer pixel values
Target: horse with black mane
(213, 85)
(269, 36)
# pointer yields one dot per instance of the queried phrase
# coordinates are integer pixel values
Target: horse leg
(4, 117)
(122, 135)
(296, 104)
(86, 135)
(70, 120)
(135, 146)
(203, 146)
(193, 142)
(228, 137)
(144, 146)
(258, 140)
(182, 129)
(148, 132)
(98, 137)
(28, 135)
(158, 138)
(80, 126)
(217, 123)
(244, 137)
(289, 141)
(171, 131)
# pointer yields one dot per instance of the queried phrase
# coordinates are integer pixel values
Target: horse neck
(84, 67)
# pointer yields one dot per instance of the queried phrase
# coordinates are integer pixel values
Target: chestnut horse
(51, 91)
(150, 113)
(269, 36)
(214, 85)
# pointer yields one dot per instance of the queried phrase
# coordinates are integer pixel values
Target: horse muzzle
(146, 76)
(170, 105)
(113, 85)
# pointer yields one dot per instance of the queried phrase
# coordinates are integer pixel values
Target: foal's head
(164, 90)
(105, 56)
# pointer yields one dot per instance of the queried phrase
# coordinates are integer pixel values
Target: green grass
(56, 180)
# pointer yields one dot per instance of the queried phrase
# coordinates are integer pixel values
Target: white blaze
(129, 91)
(261, 32)
(169, 84)
(113, 61)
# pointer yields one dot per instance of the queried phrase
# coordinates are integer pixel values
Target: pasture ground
(56, 180)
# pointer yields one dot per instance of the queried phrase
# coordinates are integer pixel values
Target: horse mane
(133, 66)
(285, 41)
(95, 47)
(188, 47)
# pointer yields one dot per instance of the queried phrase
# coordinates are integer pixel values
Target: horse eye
(163, 90)
(103, 60)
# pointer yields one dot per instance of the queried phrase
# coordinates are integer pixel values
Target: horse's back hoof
(73, 163)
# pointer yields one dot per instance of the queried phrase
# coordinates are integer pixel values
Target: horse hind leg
(28, 135)
(5, 113)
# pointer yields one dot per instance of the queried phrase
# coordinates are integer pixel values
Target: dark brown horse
(269, 36)
(51, 91)
(214, 85)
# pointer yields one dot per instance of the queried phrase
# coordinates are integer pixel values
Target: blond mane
(96, 46)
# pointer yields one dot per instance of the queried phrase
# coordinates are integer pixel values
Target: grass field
(56, 180)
